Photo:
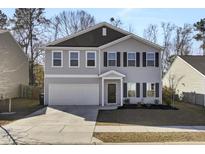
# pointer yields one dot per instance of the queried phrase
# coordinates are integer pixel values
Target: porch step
(108, 107)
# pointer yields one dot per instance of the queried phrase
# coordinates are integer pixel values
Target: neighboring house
(14, 66)
(102, 65)
(187, 75)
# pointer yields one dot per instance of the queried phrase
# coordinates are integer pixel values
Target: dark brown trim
(124, 89)
(137, 59)
(144, 59)
(105, 59)
(125, 59)
(156, 59)
(118, 59)
(137, 89)
(157, 89)
(144, 89)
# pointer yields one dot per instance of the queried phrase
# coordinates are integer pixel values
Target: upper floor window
(90, 58)
(112, 58)
(131, 58)
(150, 59)
(150, 89)
(74, 59)
(57, 58)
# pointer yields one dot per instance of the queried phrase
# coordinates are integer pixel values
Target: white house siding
(191, 80)
(14, 66)
(136, 74)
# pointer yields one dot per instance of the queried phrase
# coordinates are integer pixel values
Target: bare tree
(183, 40)
(150, 33)
(131, 28)
(115, 22)
(28, 24)
(167, 30)
(70, 22)
(173, 84)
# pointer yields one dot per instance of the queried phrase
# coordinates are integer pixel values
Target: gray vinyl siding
(133, 74)
(66, 69)
(136, 74)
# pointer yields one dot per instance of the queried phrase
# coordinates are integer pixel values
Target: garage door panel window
(74, 59)
(57, 59)
(90, 59)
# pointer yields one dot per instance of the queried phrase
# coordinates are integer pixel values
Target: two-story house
(102, 65)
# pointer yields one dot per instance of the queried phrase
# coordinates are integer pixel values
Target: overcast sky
(139, 18)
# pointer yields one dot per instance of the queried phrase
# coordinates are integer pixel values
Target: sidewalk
(149, 128)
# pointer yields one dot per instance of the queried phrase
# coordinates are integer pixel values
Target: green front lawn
(128, 137)
(21, 107)
(186, 115)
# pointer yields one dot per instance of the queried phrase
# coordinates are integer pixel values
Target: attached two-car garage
(73, 94)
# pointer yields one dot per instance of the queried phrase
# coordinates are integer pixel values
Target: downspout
(99, 69)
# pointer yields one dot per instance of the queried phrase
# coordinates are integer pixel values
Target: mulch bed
(148, 106)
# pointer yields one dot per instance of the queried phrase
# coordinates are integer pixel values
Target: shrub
(167, 95)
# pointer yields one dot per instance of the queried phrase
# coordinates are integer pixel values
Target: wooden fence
(31, 92)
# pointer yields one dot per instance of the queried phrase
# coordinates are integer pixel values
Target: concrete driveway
(53, 125)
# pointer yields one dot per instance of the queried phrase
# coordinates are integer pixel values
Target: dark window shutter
(137, 59)
(124, 59)
(105, 59)
(137, 89)
(157, 59)
(157, 89)
(124, 89)
(144, 89)
(118, 59)
(144, 59)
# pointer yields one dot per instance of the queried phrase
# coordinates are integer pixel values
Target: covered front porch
(112, 88)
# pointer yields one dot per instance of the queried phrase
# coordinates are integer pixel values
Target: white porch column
(103, 91)
(121, 91)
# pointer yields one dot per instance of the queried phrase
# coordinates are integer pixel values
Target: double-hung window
(150, 89)
(150, 59)
(131, 59)
(112, 58)
(91, 59)
(131, 89)
(57, 58)
(74, 59)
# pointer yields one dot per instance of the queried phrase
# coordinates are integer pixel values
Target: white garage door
(73, 94)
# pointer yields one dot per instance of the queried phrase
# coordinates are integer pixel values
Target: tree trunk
(31, 73)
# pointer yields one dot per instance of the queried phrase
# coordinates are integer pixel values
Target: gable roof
(111, 72)
(197, 62)
(7, 37)
(86, 40)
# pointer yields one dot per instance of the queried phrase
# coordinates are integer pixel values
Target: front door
(111, 93)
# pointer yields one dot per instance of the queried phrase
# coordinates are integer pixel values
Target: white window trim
(128, 90)
(104, 31)
(130, 59)
(61, 58)
(69, 60)
(86, 62)
(111, 59)
(154, 90)
(150, 59)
